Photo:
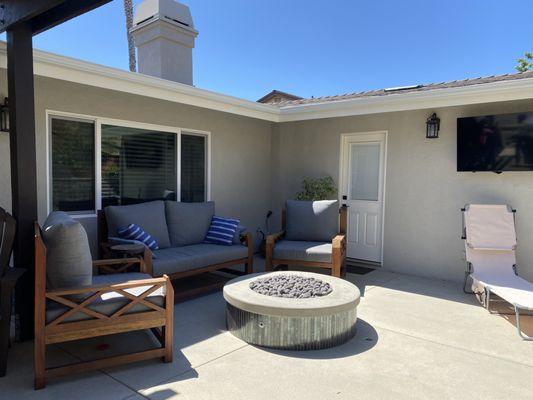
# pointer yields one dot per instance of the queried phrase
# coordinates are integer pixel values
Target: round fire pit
(291, 310)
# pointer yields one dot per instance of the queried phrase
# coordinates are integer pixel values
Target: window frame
(98, 122)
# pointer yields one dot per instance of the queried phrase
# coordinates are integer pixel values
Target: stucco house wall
(424, 192)
(240, 146)
(257, 165)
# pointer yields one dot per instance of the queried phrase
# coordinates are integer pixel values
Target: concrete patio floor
(417, 338)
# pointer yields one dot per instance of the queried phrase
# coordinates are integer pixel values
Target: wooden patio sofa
(179, 229)
(112, 304)
(313, 235)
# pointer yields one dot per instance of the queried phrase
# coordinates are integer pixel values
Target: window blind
(73, 165)
(137, 165)
(193, 168)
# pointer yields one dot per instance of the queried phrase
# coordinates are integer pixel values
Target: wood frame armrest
(339, 241)
(274, 237)
(107, 288)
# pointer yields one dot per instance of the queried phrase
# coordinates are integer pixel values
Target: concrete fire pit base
(292, 323)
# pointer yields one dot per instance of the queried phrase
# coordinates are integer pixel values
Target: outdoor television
(495, 143)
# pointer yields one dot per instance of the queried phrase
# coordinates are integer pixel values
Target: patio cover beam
(22, 19)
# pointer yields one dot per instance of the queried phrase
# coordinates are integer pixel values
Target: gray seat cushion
(304, 251)
(149, 216)
(112, 301)
(188, 222)
(68, 256)
(313, 221)
(186, 258)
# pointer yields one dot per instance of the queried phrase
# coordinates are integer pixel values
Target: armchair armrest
(339, 241)
(107, 288)
(274, 237)
(117, 265)
(9, 280)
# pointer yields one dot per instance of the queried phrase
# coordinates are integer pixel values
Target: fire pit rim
(344, 296)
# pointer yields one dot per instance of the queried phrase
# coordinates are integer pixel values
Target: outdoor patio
(417, 338)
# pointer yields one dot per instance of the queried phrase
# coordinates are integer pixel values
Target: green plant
(525, 64)
(318, 189)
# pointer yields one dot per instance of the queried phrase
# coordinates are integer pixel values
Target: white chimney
(164, 35)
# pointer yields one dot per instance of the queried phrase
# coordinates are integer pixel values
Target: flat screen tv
(495, 143)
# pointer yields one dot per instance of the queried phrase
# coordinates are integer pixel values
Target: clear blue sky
(313, 48)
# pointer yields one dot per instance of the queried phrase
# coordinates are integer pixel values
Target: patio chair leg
(39, 363)
(467, 275)
(520, 333)
(487, 299)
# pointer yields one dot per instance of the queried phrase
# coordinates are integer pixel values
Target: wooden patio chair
(313, 235)
(127, 302)
(8, 279)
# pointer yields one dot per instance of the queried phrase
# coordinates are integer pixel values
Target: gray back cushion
(68, 256)
(188, 222)
(314, 221)
(149, 216)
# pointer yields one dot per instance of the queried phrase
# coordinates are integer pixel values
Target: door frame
(343, 179)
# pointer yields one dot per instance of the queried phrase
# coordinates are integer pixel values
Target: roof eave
(519, 89)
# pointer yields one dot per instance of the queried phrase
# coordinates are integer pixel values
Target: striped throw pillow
(221, 231)
(135, 232)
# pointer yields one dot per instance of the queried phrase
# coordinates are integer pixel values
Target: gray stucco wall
(256, 165)
(240, 146)
(424, 192)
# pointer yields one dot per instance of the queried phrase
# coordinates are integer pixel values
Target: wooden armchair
(307, 253)
(8, 279)
(127, 302)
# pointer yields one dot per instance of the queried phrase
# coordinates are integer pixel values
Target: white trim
(370, 137)
(518, 89)
(98, 122)
(72, 70)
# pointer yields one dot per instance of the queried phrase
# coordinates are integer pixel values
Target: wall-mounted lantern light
(432, 127)
(4, 117)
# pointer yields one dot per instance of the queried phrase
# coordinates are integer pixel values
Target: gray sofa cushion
(314, 221)
(186, 258)
(188, 222)
(304, 251)
(68, 256)
(150, 216)
(113, 301)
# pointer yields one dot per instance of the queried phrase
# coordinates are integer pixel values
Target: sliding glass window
(193, 168)
(137, 165)
(96, 164)
(72, 165)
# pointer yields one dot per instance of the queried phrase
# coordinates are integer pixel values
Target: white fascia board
(87, 73)
(69, 69)
(519, 89)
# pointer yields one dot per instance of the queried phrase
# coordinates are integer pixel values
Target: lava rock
(291, 286)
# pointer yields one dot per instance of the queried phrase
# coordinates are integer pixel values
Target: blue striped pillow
(221, 231)
(135, 232)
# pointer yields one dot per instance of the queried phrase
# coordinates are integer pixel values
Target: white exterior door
(362, 189)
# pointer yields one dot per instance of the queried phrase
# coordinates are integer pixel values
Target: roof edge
(83, 72)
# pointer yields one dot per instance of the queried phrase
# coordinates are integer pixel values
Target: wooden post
(23, 164)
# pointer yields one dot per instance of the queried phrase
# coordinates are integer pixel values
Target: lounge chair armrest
(274, 237)
(107, 288)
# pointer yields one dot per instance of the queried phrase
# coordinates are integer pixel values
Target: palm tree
(128, 11)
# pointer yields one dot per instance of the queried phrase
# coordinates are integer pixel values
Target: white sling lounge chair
(490, 242)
